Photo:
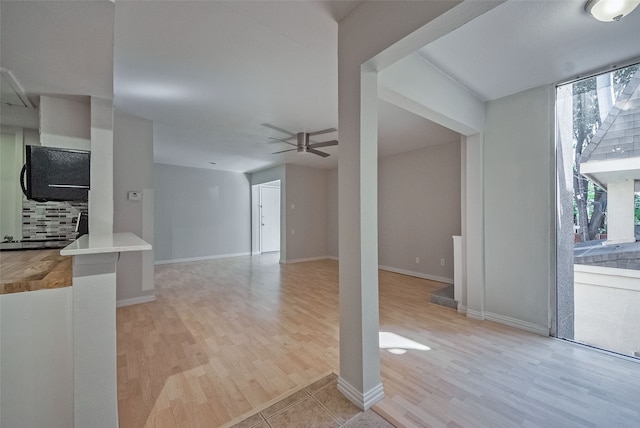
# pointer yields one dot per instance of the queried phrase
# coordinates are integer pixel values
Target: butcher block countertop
(34, 270)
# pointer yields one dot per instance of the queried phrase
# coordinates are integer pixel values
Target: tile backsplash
(50, 220)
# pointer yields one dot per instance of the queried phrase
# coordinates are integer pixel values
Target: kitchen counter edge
(108, 243)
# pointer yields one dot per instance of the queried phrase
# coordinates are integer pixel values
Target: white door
(269, 219)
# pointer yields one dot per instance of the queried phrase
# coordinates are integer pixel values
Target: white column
(474, 239)
(620, 212)
(457, 269)
(94, 341)
(101, 193)
(358, 224)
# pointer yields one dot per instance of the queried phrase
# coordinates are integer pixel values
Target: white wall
(31, 137)
(19, 116)
(419, 210)
(620, 212)
(416, 85)
(306, 206)
(607, 308)
(200, 213)
(36, 359)
(133, 171)
(332, 213)
(11, 161)
(101, 193)
(519, 221)
(65, 123)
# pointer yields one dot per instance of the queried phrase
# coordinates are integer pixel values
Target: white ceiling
(524, 44)
(209, 73)
(59, 47)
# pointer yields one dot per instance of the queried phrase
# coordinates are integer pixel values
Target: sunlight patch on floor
(396, 344)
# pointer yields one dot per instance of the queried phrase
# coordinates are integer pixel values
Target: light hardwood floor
(227, 336)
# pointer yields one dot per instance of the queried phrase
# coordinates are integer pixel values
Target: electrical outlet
(417, 260)
(442, 262)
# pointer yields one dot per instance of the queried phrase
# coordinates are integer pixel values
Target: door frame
(256, 215)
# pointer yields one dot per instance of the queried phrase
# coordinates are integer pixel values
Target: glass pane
(598, 150)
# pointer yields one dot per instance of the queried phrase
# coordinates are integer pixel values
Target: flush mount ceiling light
(610, 10)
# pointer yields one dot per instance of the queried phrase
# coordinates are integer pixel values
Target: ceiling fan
(303, 143)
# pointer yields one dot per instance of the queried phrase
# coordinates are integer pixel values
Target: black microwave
(54, 174)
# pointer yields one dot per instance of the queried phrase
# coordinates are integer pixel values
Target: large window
(598, 148)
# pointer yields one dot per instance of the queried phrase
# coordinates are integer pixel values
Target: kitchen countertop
(34, 270)
(30, 270)
(33, 245)
(108, 243)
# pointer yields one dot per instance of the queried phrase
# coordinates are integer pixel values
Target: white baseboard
(197, 259)
(363, 400)
(417, 274)
(476, 315)
(333, 258)
(462, 309)
(135, 301)
(516, 323)
(308, 259)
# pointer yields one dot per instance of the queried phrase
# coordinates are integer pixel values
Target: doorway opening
(598, 230)
(266, 217)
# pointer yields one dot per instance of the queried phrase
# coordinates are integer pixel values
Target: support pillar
(474, 218)
(620, 212)
(358, 222)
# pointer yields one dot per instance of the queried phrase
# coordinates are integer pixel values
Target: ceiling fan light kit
(610, 10)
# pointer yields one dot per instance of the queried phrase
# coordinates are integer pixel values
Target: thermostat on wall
(134, 196)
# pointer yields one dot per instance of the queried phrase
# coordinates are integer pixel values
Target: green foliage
(621, 78)
(590, 199)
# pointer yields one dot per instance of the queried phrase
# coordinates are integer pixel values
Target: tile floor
(318, 405)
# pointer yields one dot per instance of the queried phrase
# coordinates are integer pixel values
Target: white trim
(417, 274)
(601, 276)
(333, 258)
(308, 259)
(16, 87)
(610, 165)
(197, 259)
(135, 301)
(363, 400)
(462, 308)
(516, 323)
(256, 253)
(476, 315)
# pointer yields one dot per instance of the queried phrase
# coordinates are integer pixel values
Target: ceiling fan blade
(318, 152)
(278, 140)
(284, 131)
(324, 144)
(323, 131)
(284, 151)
